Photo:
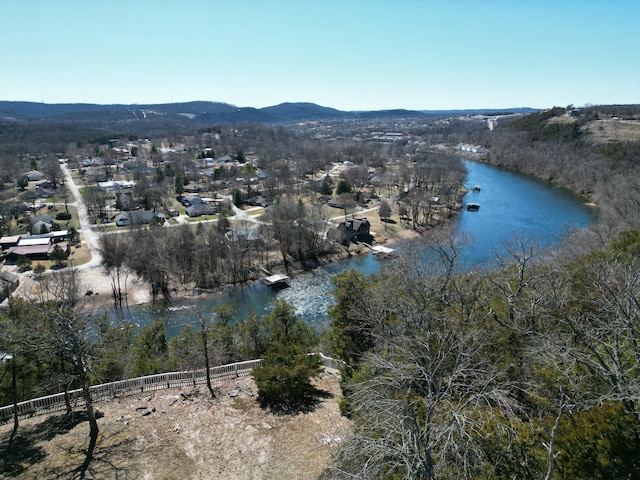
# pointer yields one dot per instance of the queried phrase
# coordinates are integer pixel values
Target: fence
(57, 402)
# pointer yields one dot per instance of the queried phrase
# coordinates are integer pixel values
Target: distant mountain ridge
(201, 112)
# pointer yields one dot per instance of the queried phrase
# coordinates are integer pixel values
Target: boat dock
(380, 250)
(278, 280)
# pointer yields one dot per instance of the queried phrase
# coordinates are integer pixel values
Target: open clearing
(603, 131)
(168, 435)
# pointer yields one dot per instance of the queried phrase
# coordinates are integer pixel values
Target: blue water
(511, 205)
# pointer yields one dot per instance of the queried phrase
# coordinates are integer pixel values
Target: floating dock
(277, 281)
(380, 250)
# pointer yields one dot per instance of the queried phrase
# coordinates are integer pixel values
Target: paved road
(91, 238)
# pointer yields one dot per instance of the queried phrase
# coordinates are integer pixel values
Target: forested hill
(594, 151)
(191, 112)
(200, 113)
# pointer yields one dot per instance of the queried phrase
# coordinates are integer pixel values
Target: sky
(346, 54)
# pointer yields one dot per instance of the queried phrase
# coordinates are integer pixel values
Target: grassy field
(603, 131)
(606, 130)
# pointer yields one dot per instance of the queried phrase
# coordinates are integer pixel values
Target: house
(257, 201)
(34, 247)
(40, 224)
(44, 183)
(191, 199)
(201, 209)
(139, 217)
(37, 252)
(194, 187)
(243, 235)
(92, 162)
(470, 148)
(349, 230)
(34, 175)
(224, 159)
(115, 185)
(9, 241)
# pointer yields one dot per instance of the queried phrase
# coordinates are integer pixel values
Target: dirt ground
(163, 435)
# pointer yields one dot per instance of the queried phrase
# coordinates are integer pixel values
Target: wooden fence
(105, 391)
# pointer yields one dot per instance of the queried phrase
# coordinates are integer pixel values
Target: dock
(380, 250)
(278, 280)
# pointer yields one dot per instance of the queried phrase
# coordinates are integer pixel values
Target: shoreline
(97, 283)
(140, 295)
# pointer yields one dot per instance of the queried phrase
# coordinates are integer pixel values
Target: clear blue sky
(346, 54)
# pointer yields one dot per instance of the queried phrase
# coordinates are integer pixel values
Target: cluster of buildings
(35, 247)
(465, 147)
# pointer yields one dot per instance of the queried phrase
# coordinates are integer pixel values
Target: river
(511, 204)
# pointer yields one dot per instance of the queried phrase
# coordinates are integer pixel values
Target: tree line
(527, 370)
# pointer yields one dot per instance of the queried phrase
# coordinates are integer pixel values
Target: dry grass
(229, 437)
(603, 131)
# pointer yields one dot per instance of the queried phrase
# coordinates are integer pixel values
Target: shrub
(23, 263)
(284, 379)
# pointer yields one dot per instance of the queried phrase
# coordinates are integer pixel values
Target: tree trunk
(91, 416)
(14, 391)
(67, 385)
(206, 361)
(93, 431)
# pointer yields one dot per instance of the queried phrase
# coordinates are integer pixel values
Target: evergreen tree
(284, 379)
(178, 185)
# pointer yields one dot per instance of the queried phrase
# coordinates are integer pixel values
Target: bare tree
(598, 332)
(428, 386)
(385, 213)
(66, 332)
(204, 322)
(114, 254)
(421, 398)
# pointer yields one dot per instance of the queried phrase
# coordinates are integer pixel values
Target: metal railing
(149, 383)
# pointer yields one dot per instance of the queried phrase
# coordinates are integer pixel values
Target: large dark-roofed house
(346, 231)
(201, 209)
